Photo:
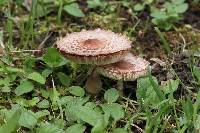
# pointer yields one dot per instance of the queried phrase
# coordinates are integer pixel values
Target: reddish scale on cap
(97, 47)
(127, 69)
(93, 44)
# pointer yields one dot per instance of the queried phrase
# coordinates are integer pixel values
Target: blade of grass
(164, 41)
(60, 12)
(156, 88)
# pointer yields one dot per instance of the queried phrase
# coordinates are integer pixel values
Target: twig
(43, 42)
(138, 128)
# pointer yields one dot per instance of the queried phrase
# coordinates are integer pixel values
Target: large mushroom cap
(128, 68)
(94, 46)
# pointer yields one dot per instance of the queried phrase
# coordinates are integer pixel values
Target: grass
(43, 92)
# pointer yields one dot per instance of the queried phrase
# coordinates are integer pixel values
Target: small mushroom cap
(128, 68)
(94, 46)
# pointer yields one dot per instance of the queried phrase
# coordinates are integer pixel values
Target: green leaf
(99, 127)
(43, 104)
(24, 87)
(159, 15)
(196, 72)
(188, 109)
(73, 105)
(12, 123)
(169, 86)
(119, 130)
(41, 114)
(77, 128)
(177, 1)
(197, 123)
(113, 109)
(138, 7)
(145, 92)
(27, 103)
(88, 115)
(94, 3)
(49, 128)
(46, 72)
(36, 77)
(111, 95)
(53, 58)
(28, 119)
(74, 10)
(3, 2)
(64, 79)
(181, 8)
(12, 70)
(77, 91)
(196, 105)
(54, 95)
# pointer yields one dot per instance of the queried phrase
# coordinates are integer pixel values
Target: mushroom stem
(93, 84)
(120, 86)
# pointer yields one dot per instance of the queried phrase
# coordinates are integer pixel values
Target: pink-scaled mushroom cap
(97, 47)
(128, 68)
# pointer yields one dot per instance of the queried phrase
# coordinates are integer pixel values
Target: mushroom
(129, 68)
(95, 47)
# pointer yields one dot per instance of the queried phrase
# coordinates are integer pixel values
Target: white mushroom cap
(94, 46)
(127, 69)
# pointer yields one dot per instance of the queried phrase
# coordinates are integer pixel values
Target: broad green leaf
(46, 72)
(138, 7)
(12, 123)
(12, 70)
(111, 95)
(77, 91)
(99, 127)
(49, 128)
(37, 77)
(29, 64)
(145, 92)
(66, 99)
(77, 128)
(181, 8)
(94, 3)
(28, 119)
(73, 105)
(196, 72)
(60, 123)
(53, 59)
(54, 95)
(24, 87)
(6, 88)
(177, 1)
(46, 93)
(169, 86)
(196, 105)
(27, 103)
(88, 115)
(148, 1)
(42, 113)
(197, 123)
(64, 79)
(188, 109)
(159, 15)
(43, 104)
(114, 109)
(74, 10)
(2, 2)
(119, 130)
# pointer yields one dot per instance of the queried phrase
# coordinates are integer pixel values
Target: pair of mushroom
(108, 51)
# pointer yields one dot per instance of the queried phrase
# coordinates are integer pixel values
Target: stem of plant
(93, 84)
(164, 41)
(120, 86)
